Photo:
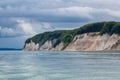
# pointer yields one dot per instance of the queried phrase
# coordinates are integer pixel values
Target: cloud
(63, 14)
(70, 12)
(32, 17)
(81, 14)
(6, 32)
(24, 27)
(33, 26)
(48, 4)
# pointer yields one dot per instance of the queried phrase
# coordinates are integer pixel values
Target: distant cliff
(91, 37)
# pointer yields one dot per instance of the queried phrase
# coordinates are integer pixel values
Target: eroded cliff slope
(91, 37)
(94, 42)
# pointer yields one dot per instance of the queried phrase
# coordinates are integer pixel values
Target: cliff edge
(90, 37)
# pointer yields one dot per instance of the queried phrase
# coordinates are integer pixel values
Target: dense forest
(67, 36)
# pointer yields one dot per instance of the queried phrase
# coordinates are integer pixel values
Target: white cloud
(81, 13)
(22, 28)
(8, 32)
(40, 27)
(33, 27)
(73, 11)
(62, 14)
(26, 27)
(115, 13)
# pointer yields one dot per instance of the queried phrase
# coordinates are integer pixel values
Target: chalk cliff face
(84, 42)
(48, 45)
(94, 42)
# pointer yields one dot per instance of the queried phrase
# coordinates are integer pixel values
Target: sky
(21, 19)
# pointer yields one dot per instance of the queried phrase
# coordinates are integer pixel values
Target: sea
(55, 65)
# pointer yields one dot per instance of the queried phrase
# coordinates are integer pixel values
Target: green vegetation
(67, 36)
(107, 28)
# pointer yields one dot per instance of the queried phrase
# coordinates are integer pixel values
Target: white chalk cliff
(82, 42)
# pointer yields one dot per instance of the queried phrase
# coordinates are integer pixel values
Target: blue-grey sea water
(48, 65)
